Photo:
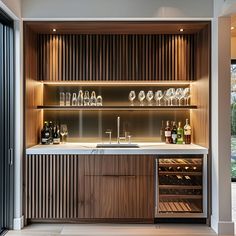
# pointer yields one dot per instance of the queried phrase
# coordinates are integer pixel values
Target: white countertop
(144, 148)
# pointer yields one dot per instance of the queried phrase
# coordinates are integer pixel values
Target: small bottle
(80, 99)
(180, 134)
(174, 133)
(187, 133)
(162, 132)
(51, 131)
(56, 135)
(45, 134)
(168, 132)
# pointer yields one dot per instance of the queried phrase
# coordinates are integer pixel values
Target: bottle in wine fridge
(187, 133)
(56, 135)
(168, 133)
(45, 134)
(174, 133)
(162, 132)
(180, 134)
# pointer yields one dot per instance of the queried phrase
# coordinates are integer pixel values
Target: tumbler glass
(62, 99)
(68, 98)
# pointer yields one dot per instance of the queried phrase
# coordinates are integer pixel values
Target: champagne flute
(80, 99)
(170, 93)
(86, 98)
(93, 99)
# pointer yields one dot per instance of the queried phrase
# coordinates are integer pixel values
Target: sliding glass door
(6, 122)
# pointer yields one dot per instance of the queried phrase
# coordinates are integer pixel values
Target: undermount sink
(118, 145)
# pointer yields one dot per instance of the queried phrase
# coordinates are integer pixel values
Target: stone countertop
(90, 149)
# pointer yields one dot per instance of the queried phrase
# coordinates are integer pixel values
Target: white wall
(34, 9)
(14, 6)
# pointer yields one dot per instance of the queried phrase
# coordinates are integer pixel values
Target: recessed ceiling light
(54, 30)
(232, 27)
(181, 30)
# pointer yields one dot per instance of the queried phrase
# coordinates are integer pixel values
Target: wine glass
(63, 133)
(158, 96)
(141, 97)
(149, 97)
(170, 93)
(186, 96)
(62, 99)
(132, 96)
(99, 100)
(74, 99)
(179, 94)
(68, 98)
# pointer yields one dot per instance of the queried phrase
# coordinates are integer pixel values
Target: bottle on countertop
(162, 131)
(168, 133)
(180, 134)
(45, 134)
(187, 133)
(174, 133)
(56, 135)
(51, 131)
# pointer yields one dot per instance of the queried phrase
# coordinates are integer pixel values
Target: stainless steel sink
(117, 145)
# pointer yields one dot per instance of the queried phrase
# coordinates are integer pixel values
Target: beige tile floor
(121, 229)
(113, 230)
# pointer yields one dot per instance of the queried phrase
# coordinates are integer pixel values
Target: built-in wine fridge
(181, 186)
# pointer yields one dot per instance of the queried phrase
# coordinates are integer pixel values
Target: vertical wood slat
(115, 57)
(52, 187)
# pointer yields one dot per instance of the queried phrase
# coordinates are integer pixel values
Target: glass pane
(233, 120)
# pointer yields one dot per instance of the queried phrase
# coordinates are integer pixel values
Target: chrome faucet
(118, 131)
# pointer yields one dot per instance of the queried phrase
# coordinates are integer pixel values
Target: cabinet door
(136, 197)
(101, 197)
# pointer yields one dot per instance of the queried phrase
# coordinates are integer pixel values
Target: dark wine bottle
(56, 135)
(51, 131)
(45, 134)
(168, 133)
(174, 133)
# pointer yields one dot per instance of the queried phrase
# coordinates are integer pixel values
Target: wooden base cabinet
(94, 187)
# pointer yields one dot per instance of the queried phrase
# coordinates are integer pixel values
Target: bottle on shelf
(187, 133)
(45, 134)
(51, 131)
(162, 132)
(180, 134)
(174, 133)
(168, 133)
(56, 135)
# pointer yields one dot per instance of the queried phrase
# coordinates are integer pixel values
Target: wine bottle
(180, 134)
(56, 135)
(168, 133)
(187, 133)
(51, 131)
(45, 134)
(174, 133)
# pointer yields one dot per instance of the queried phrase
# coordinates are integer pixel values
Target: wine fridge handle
(156, 186)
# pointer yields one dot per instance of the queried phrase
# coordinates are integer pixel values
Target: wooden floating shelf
(108, 108)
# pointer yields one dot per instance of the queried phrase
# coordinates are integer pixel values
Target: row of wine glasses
(82, 99)
(169, 97)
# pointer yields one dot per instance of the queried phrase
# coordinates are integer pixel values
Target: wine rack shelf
(182, 206)
(178, 196)
(179, 173)
(110, 108)
(179, 187)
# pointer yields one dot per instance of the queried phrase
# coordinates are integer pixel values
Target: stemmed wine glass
(63, 133)
(149, 97)
(132, 96)
(158, 96)
(179, 94)
(141, 97)
(170, 93)
(186, 96)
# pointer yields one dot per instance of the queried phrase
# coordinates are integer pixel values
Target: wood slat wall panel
(74, 57)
